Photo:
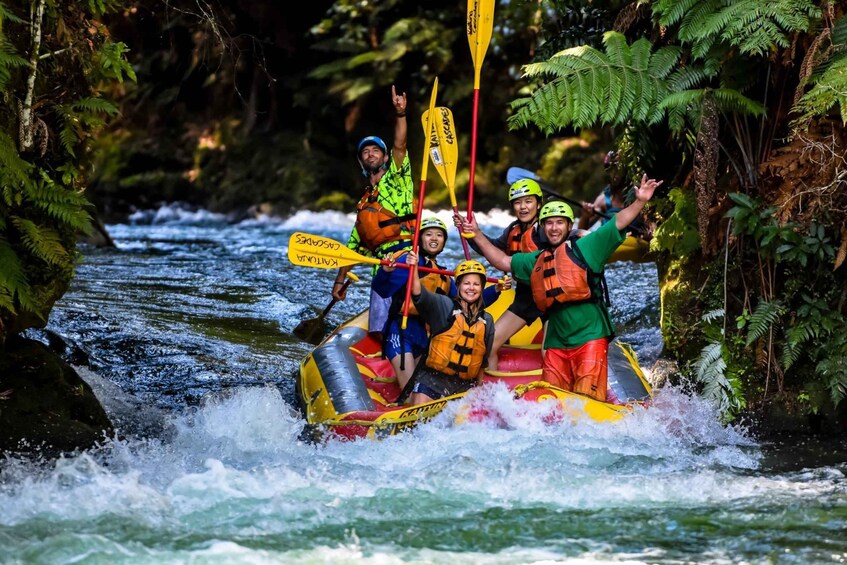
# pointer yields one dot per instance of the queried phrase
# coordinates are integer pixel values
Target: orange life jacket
(377, 225)
(561, 276)
(433, 282)
(459, 350)
(518, 241)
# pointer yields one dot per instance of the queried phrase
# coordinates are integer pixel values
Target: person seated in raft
(522, 235)
(567, 284)
(461, 335)
(403, 348)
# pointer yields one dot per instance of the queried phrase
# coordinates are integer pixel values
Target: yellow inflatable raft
(346, 389)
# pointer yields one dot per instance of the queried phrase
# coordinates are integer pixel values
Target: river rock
(45, 407)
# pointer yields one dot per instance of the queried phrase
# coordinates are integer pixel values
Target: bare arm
(495, 256)
(643, 194)
(338, 290)
(412, 259)
(400, 126)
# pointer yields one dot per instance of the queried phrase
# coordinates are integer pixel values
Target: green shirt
(573, 326)
(395, 193)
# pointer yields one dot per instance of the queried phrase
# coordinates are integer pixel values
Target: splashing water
(187, 330)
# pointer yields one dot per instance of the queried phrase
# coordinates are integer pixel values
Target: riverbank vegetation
(739, 105)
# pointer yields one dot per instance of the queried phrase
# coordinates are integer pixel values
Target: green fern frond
(754, 27)
(43, 242)
(713, 315)
(95, 105)
(7, 14)
(67, 206)
(766, 314)
(720, 390)
(12, 278)
(587, 86)
(9, 60)
(15, 171)
(830, 90)
(672, 11)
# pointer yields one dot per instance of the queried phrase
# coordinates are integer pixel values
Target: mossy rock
(45, 407)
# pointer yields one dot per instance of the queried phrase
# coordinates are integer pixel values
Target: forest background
(109, 106)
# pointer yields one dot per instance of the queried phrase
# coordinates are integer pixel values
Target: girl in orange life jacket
(403, 348)
(462, 334)
(578, 327)
(521, 236)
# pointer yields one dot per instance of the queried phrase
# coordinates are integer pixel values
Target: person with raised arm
(568, 285)
(404, 347)
(386, 211)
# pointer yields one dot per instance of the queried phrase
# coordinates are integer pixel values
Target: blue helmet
(370, 140)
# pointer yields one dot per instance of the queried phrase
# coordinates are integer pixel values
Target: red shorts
(583, 369)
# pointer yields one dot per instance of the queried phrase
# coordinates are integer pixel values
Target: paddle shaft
(334, 300)
(473, 159)
(417, 235)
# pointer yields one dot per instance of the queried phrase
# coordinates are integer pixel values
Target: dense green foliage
(54, 88)
(752, 270)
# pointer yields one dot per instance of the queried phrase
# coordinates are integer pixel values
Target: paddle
(415, 240)
(479, 25)
(308, 250)
(444, 150)
(313, 330)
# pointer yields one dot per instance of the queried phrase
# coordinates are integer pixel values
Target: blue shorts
(413, 339)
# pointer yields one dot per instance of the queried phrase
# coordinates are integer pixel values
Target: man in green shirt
(386, 213)
(566, 284)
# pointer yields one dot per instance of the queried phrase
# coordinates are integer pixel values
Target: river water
(184, 332)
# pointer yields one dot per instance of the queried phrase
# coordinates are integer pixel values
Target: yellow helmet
(433, 222)
(469, 267)
(555, 209)
(524, 187)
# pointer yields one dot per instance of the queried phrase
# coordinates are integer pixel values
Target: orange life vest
(561, 276)
(518, 241)
(433, 282)
(459, 350)
(377, 225)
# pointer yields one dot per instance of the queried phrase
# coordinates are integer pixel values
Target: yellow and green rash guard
(396, 193)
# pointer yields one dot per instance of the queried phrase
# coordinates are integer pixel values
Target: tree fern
(754, 27)
(588, 86)
(766, 314)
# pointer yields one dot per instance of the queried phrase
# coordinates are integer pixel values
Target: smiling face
(373, 158)
(470, 287)
(432, 241)
(526, 208)
(557, 229)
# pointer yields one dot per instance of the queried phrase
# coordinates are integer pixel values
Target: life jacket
(561, 276)
(518, 241)
(377, 225)
(433, 282)
(460, 349)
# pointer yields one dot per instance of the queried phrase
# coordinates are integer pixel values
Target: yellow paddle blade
(480, 24)
(444, 148)
(307, 250)
(427, 127)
